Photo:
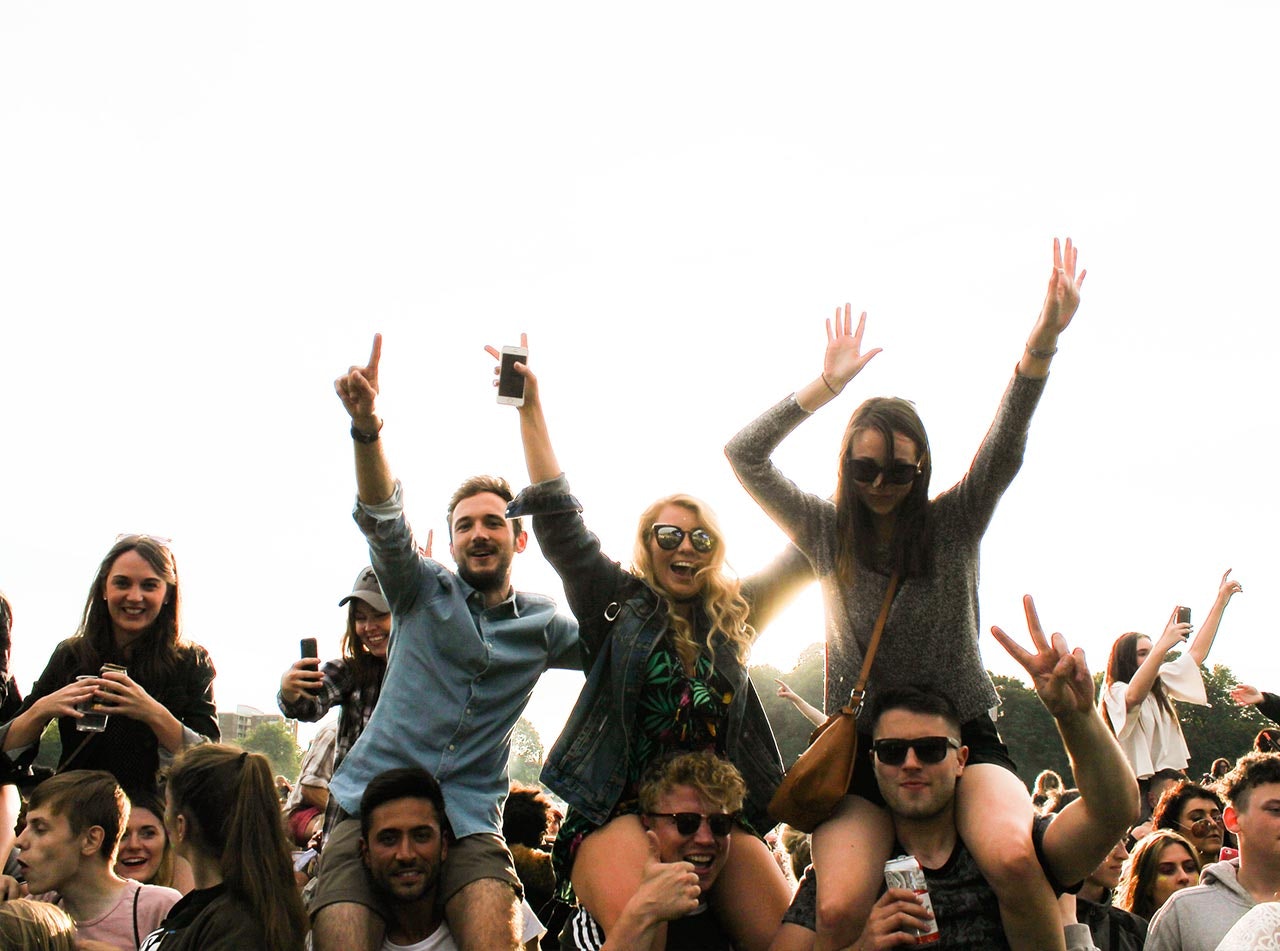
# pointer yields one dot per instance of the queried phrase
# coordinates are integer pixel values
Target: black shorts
(979, 734)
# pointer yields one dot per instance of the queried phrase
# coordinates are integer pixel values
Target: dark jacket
(621, 619)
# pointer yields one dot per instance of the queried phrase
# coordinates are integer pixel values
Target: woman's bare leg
(751, 894)
(609, 867)
(849, 852)
(994, 816)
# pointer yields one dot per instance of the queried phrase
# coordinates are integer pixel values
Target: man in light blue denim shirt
(466, 650)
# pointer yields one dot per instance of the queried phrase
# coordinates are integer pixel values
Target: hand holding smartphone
(511, 383)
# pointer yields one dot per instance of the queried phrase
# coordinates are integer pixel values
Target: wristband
(367, 439)
(1041, 354)
(834, 391)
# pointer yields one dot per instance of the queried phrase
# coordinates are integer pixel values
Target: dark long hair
(366, 668)
(1123, 664)
(856, 538)
(154, 654)
(228, 798)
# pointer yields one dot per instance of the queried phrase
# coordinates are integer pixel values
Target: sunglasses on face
(688, 823)
(669, 538)
(896, 473)
(929, 749)
(1202, 827)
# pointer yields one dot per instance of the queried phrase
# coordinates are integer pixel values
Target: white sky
(207, 210)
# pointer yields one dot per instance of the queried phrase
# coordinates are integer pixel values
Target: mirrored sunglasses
(669, 538)
(1202, 827)
(929, 749)
(688, 823)
(896, 473)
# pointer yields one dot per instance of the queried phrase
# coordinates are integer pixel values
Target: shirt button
(451, 747)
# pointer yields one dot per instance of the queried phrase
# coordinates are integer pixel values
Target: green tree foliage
(790, 727)
(50, 746)
(527, 754)
(274, 741)
(1222, 728)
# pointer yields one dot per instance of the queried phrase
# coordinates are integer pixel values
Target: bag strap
(66, 764)
(855, 697)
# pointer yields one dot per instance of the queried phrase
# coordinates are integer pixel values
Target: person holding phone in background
(1139, 688)
(308, 690)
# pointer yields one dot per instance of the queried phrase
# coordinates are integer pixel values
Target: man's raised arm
(1082, 834)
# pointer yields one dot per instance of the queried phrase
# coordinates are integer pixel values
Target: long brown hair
(155, 653)
(855, 532)
(722, 596)
(228, 798)
(1121, 667)
(1136, 891)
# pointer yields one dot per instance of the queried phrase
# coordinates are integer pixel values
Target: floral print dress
(676, 713)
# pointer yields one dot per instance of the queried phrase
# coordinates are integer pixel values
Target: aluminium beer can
(905, 872)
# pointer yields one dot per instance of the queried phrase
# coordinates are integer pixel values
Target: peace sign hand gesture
(1058, 674)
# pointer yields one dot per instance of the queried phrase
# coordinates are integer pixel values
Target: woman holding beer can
(127, 674)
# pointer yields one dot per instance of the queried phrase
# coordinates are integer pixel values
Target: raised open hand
(1063, 295)
(844, 358)
(358, 388)
(1246, 695)
(1058, 674)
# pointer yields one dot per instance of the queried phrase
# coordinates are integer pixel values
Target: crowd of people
(403, 832)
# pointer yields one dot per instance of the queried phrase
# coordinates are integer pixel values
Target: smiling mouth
(684, 569)
(134, 862)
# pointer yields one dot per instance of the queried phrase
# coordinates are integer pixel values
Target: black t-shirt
(964, 905)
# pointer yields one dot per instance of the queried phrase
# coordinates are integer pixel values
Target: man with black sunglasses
(689, 803)
(919, 760)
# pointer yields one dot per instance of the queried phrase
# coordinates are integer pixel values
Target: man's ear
(962, 757)
(91, 840)
(364, 852)
(1231, 819)
(521, 541)
(444, 847)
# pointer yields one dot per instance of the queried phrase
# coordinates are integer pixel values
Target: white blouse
(1151, 738)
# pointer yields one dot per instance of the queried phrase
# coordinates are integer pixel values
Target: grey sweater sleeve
(804, 517)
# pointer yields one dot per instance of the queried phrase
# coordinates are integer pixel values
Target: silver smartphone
(511, 383)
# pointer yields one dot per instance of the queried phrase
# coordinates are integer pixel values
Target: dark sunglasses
(669, 538)
(688, 823)
(1202, 827)
(929, 749)
(896, 473)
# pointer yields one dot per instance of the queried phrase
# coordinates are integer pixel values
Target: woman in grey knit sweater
(882, 522)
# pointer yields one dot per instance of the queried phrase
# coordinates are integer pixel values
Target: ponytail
(229, 796)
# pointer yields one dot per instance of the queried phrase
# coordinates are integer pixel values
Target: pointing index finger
(376, 354)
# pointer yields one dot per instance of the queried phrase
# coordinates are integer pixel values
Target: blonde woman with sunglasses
(665, 646)
(882, 524)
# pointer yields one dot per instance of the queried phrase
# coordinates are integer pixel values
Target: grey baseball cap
(369, 591)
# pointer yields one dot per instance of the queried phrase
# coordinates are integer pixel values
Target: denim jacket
(621, 619)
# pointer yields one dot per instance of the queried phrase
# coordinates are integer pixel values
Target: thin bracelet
(834, 391)
(1041, 354)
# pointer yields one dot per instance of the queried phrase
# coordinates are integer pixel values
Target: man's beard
(496, 579)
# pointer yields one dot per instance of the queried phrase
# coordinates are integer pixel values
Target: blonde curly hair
(721, 594)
